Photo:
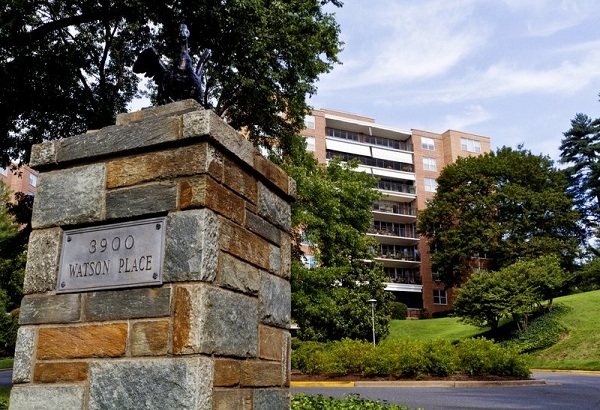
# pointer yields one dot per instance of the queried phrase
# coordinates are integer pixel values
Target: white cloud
(472, 114)
(544, 18)
(399, 42)
(504, 79)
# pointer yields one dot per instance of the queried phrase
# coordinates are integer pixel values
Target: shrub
(410, 359)
(9, 324)
(481, 356)
(542, 332)
(398, 310)
(439, 357)
(302, 401)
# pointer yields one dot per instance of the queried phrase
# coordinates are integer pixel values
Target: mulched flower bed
(298, 376)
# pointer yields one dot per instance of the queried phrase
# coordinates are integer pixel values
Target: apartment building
(22, 179)
(407, 163)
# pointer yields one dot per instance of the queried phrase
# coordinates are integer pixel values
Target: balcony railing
(369, 139)
(396, 186)
(399, 256)
(412, 280)
(399, 232)
(394, 208)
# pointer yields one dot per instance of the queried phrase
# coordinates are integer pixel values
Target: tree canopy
(332, 213)
(580, 151)
(516, 291)
(506, 206)
(66, 65)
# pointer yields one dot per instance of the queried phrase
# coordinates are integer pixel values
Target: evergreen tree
(580, 151)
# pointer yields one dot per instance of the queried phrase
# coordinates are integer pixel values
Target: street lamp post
(372, 302)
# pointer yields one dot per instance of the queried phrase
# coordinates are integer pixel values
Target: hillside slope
(580, 348)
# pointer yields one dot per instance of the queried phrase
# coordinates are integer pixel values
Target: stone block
(127, 304)
(47, 397)
(60, 372)
(230, 399)
(172, 109)
(259, 226)
(149, 338)
(214, 321)
(286, 364)
(227, 372)
(275, 260)
(43, 154)
(48, 308)
(275, 301)
(207, 123)
(23, 355)
(244, 244)
(191, 246)
(240, 181)
(261, 374)
(141, 200)
(274, 208)
(43, 255)
(238, 275)
(271, 343)
(72, 342)
(121, 139)
(286, 256)
(158, 384)
(205, 192)
(272, 173)
(271, 399)
(164, 165)
(82, 188)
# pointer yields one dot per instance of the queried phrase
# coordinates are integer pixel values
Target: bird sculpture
(182, 81)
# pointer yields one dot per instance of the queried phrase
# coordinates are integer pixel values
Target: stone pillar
(214, 334)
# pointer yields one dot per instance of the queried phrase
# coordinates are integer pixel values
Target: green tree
(12, 270)
(516, 291)
(332, 212)
(508, 205)
(580, 151)
(65, 66)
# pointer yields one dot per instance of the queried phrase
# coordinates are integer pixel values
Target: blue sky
(516, 71)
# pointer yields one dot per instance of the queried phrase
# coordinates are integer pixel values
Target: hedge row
(409, 359)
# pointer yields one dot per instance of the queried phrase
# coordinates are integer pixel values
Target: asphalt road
(6, 377)
(561, 392)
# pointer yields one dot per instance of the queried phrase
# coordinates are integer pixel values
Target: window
(427, 144)
(440, 297)
(429, 164)
(32, 179)
(470, 145)
(309, 261)
(430, 185)
(309, 122)
(4, 171)
(310, 143)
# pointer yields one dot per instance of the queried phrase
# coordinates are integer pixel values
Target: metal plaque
(120, 255)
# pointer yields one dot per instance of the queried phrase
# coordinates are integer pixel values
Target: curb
(582, 372)
(412, 383)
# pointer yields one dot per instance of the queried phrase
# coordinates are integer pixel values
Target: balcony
(398, 236)
(396, 187)
(397, 208)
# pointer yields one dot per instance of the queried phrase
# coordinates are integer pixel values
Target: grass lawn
(580, 349)
(443, 328)
(6, 363)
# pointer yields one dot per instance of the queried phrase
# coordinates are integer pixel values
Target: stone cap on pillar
(167, 125)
